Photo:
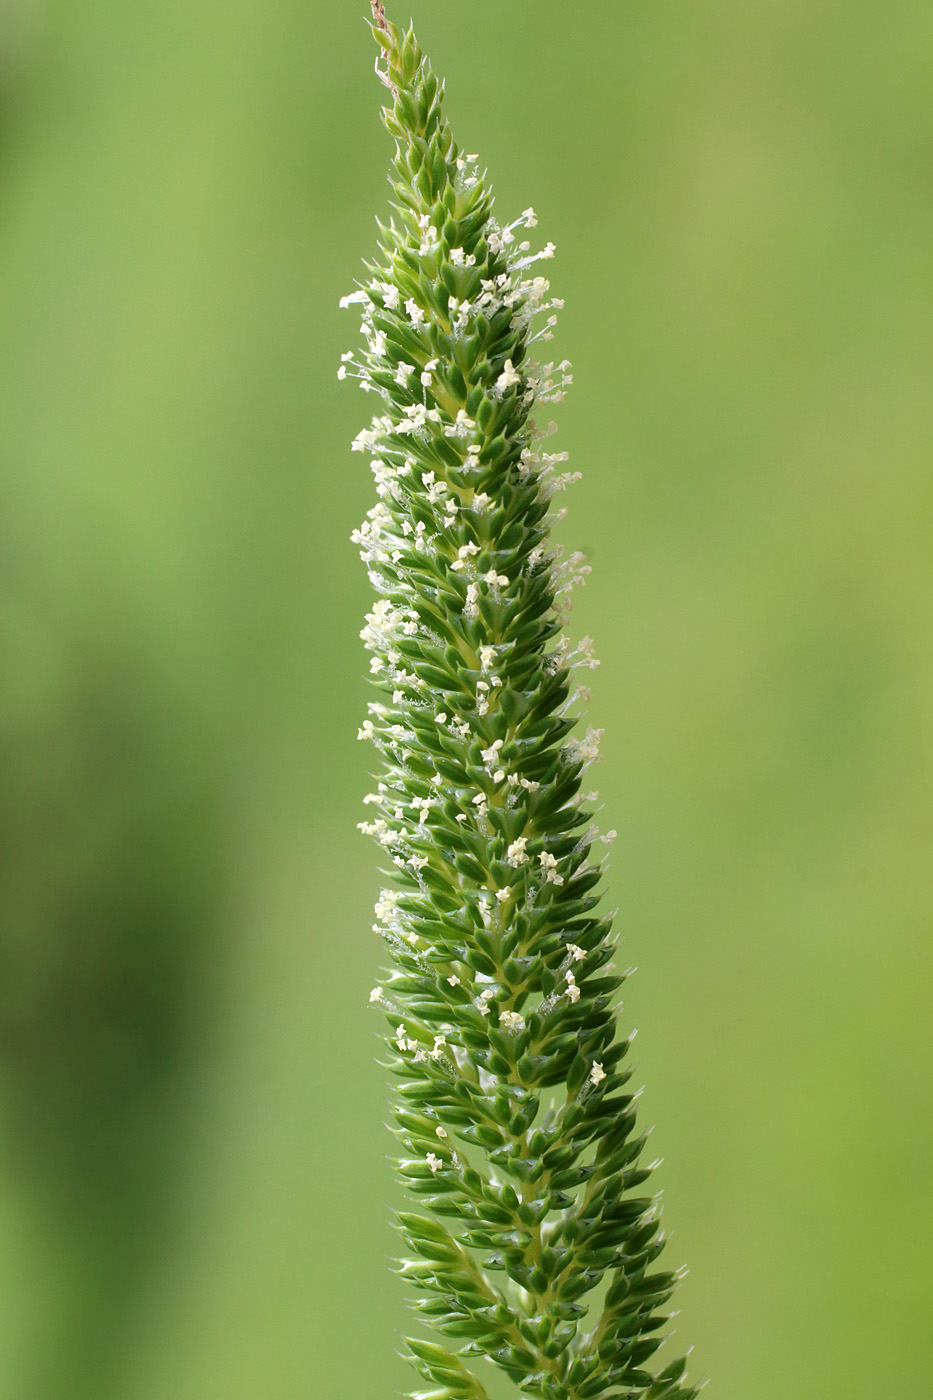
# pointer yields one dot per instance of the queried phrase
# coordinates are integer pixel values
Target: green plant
(512, 1105)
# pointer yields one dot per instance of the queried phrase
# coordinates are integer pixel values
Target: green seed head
(517, 1135)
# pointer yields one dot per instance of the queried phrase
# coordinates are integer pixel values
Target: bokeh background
(193, 1174)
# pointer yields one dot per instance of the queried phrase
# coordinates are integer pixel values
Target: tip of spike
(382, 27)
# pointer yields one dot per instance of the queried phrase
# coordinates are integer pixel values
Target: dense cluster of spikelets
(535, 1249)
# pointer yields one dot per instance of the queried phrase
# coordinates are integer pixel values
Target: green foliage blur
(193, 1181)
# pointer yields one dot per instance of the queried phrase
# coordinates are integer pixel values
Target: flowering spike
(512, 1109)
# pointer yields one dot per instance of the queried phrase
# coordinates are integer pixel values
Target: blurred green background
(193, 1175)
